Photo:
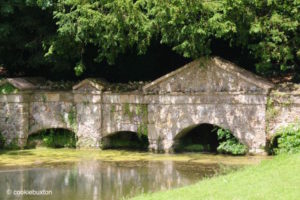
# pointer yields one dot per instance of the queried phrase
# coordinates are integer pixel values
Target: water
(100, 179)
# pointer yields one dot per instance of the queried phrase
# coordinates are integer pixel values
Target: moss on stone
(127, 111)
(142, 130)
(8, 88)
(44, 98)
(272, 112)
(72, 116)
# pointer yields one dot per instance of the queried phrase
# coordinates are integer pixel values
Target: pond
(88, 178)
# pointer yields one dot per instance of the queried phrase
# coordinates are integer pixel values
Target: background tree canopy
(117, 38)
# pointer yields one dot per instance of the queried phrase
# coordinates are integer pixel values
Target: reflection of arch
(126, 140)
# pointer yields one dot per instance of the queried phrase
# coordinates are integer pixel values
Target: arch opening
(53, 138)
(126, 140)
(208, 138)
(272, 144)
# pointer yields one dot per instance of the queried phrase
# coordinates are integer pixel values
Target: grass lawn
(278, 178)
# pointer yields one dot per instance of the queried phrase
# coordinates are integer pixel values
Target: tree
(54, 35)
(269, 30)
(27, 36)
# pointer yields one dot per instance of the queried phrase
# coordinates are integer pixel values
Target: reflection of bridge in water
(208, 90)
(102, 180)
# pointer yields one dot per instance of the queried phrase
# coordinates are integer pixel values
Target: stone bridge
(207, 90)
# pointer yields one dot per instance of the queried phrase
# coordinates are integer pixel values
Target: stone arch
(185, 130)
(236, 132)
(203, 135)
(69, 136)
(41, 128)
(125, 140)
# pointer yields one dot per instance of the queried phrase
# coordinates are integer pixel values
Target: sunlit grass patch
(272, 179)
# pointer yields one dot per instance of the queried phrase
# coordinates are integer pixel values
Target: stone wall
(93, 117)
(167, 115)
(170, 115)
(14, 117)
(28, 113)
(283, 110)
(125, 112)
(210, 91)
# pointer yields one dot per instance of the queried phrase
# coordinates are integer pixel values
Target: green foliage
(286, 140)
(54, 138)
(54, 35)
(232, 147)
(79, 69)
(23, 28)
(188, 26)
(229, 144)
(112, 26)
(7, 89)
(267, 29)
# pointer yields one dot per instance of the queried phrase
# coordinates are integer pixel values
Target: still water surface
(100, 179)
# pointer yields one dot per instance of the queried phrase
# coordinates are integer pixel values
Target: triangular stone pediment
(209, 75)
(90, 85)
(18, 83)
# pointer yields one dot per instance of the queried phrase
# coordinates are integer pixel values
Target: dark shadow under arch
(272, 144)
(197, 138)
(125, 140)
(52, 137)
(208, 138)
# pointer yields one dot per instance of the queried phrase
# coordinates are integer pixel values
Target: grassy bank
(278, 178)
(45, 156)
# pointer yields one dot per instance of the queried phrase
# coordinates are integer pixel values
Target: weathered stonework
(283, 108)
(208, 90)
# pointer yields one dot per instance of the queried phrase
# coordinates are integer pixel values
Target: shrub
(286, 140)
(229, 144)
